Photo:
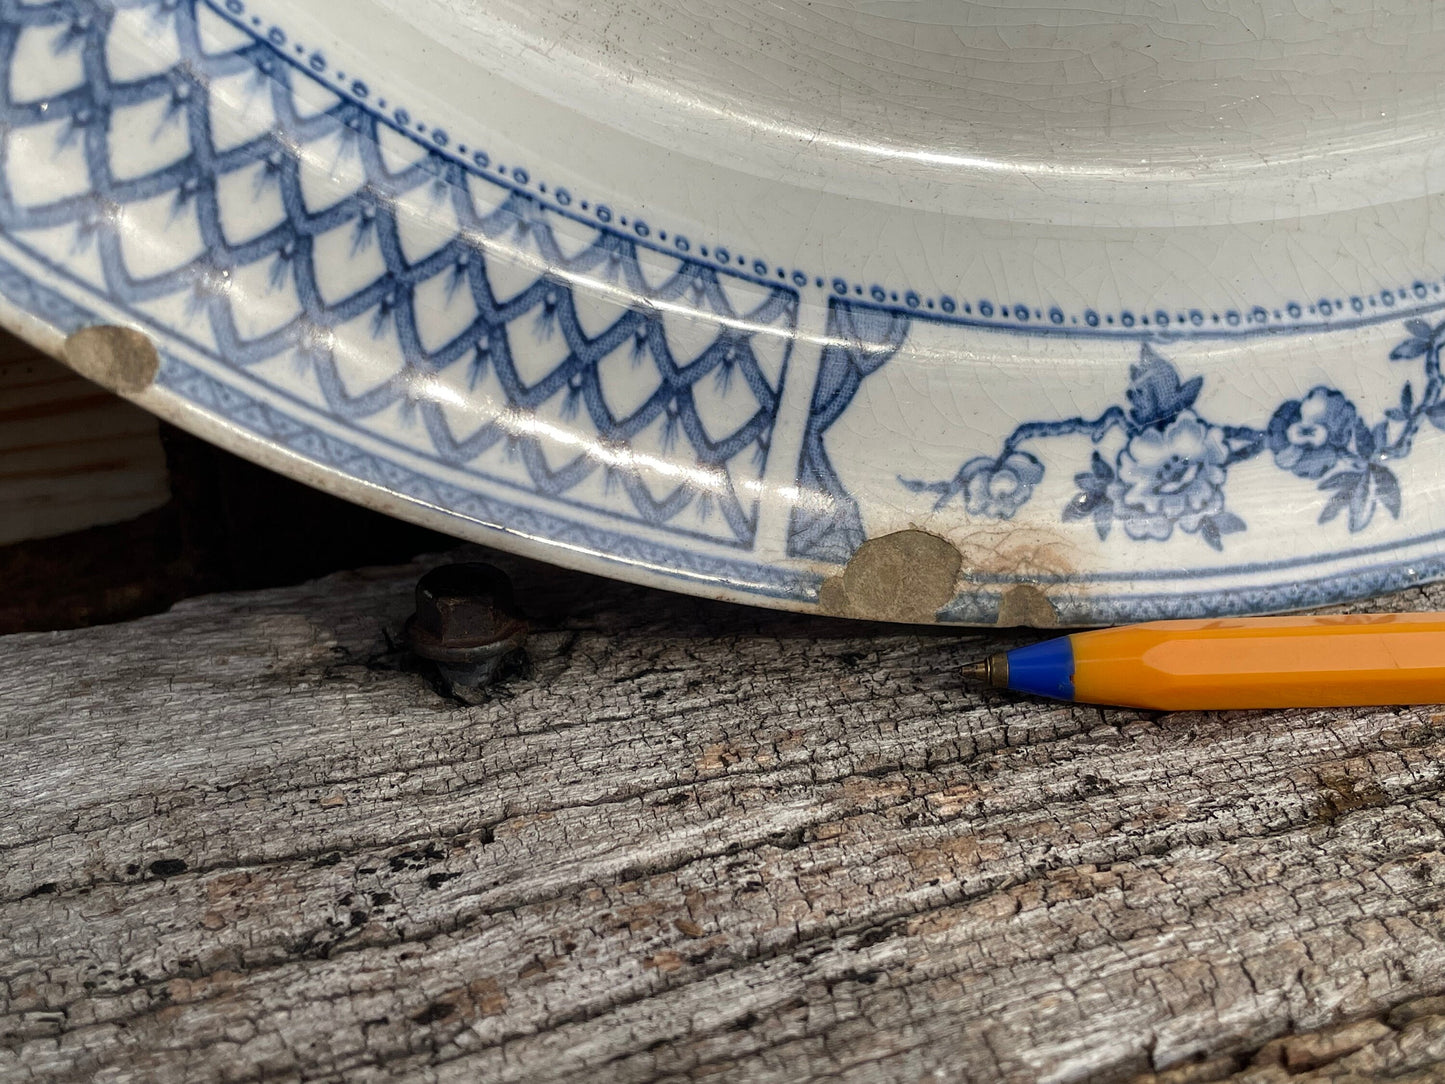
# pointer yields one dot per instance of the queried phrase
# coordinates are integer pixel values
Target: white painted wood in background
(72, 455)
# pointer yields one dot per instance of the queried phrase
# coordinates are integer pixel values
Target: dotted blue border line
(560, 200)
(1326, 312)
(1355, 318)
(1166, 324)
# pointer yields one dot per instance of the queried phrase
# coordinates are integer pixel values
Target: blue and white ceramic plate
(928, 310)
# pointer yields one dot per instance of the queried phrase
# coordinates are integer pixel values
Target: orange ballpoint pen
(1246, 662)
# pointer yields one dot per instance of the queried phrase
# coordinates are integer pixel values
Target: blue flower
(1309, 436)
(1170, 475)
(1001, 487)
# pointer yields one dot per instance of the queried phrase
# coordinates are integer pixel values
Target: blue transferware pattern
(1158, 476)
(367, 295)
(1173, 465)
(387, 267)
(861, 340)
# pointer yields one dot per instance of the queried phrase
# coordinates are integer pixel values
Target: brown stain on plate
(118, 358)
(1025, 604)
(1005, 549)
(907, 576)
(1021, 553)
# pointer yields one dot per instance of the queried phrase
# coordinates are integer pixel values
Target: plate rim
(45, 316)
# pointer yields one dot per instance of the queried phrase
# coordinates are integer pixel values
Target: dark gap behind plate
(228, 526)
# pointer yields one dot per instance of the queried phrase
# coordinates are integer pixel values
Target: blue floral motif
(1170, 474)
(1309, 436)
(1172, 467)
(1000, 487)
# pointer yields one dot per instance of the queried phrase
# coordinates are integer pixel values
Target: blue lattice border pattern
(980, 607)
(372, 215)
(1402, 300)
(277, 428)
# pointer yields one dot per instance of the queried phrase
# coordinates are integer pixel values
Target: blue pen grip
(1045, 669)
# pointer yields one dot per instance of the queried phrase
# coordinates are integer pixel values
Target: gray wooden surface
(240, 841)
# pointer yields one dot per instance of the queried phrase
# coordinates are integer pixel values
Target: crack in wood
(783, 850)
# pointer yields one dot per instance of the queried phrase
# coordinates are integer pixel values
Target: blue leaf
(1410, 348)
(1362, 503)
(1436, 414)
(1097, 478)
(1155, 392)
(1402, 412)
(1243, 443)
(1190, 392)
(1345, 485)
(1092, 504)
(1082, 506)
(1364, 439)
(1344, 479)
(1419, 328)
(1387, 489)
(1227, 523)
(1104, 519)
(1215, 527)
(1335, 505)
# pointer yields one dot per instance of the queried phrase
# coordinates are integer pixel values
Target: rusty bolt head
(465, 613)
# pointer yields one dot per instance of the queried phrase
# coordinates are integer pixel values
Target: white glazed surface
(1122, 306)
(1028, 109)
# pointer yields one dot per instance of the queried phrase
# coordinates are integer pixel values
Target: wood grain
(243, 840)
(72, 455)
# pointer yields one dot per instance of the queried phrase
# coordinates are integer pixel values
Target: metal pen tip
(990, 671)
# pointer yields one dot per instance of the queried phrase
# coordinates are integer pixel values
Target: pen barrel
(1327, 661)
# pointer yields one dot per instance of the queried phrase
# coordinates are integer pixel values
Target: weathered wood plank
(72, 455)
(241, 841)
